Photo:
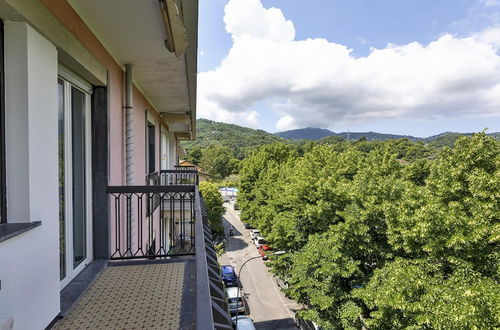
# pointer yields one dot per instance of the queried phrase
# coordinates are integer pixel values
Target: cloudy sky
(416, 67)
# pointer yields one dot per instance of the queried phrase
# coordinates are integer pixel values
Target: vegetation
(214, 205)
(379, 243)
(236, 138)
(220, 147)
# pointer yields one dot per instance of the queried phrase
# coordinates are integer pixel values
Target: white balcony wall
(29, 263)
(165, 147)
(172, 151)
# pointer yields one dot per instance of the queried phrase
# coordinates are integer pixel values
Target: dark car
(229, 276)
(247, 225)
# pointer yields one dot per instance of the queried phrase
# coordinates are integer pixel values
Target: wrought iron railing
(179, 177)
(152, 221)
(162, 220)
(173, 177)
(185, 168)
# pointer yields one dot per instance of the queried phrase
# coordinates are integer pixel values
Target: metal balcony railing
(173, 177)
(164, 220)
(152, 221)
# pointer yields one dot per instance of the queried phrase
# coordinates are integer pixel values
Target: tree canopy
(380, 243)
(214, 205)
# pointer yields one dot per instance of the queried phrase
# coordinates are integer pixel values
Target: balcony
(163, 271)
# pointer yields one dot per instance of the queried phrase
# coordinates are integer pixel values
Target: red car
(262, 251)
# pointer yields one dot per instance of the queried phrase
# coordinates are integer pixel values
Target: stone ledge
(9, 230)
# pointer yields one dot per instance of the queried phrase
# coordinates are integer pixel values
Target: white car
(254, 233)
(259, 241)
(235, 300)
(244, 323)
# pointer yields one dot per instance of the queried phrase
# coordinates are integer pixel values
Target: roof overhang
(141, 33)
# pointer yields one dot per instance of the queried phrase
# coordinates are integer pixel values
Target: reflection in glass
(62, 225)
(78, 162)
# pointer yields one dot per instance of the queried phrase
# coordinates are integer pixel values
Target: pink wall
(70, 19)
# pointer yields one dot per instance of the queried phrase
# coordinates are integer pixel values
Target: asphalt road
(268, 307)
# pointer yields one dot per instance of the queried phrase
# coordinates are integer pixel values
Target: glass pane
(62, 225)
(151, 148)
(78, 162)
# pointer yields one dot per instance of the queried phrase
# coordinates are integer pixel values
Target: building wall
(30, 262)
(70, 19)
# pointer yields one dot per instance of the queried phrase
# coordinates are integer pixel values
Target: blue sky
(230, 93)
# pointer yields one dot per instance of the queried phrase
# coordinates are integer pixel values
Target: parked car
(259, 241)
(262, 251)
(254, 233)
(236, 206)
(235, 300)
(244, 323)
(229, 276)
(247, 225)
(306, 325)
(283, 284)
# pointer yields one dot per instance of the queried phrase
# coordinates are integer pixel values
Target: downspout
(129, 123)
(129, 145)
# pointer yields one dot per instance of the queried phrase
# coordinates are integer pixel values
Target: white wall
(29, 262)
(172, 151)
(165, 147)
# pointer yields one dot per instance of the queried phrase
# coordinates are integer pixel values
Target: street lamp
(277, 253)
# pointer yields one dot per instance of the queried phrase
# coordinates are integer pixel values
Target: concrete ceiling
(133, 32)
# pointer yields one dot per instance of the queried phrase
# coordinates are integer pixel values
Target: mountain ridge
(240, 138)
(313, 134)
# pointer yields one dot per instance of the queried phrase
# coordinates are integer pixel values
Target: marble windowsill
(9, 230)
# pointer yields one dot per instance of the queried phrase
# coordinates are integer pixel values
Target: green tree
(195, 155)
(378, 244)
(214, 204)
(219, 162)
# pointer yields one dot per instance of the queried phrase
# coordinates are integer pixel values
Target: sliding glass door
(74, 176)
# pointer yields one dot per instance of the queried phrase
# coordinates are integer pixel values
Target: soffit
(133, 32)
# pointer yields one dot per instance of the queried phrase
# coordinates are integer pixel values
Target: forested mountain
(309, 133)
(236, 138)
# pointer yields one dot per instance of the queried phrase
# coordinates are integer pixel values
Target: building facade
(93, 94)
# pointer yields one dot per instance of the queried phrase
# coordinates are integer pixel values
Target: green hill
(237, 138)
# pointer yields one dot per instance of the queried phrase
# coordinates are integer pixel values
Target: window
(75, 201)
(150, 147)
(3, 200)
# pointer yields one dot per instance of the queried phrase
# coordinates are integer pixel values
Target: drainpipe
(129, 121)
(129, 145)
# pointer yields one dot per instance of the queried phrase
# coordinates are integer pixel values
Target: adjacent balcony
(163, 271)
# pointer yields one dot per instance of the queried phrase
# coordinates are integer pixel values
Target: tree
(219, 162)
(214, 205)
(195, 155)
(378, 244)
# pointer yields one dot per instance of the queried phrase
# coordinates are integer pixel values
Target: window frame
(150, 151)
(3, 174)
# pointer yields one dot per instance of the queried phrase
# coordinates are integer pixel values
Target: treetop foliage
(380, 243)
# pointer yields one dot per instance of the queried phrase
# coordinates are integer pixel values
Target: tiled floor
(148, 296)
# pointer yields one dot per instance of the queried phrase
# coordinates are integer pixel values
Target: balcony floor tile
(140, 296)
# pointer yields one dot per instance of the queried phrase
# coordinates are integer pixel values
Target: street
(268, 307)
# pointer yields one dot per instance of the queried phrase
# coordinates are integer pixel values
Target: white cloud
(285, 123)
(323, 83)
(490, 3)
